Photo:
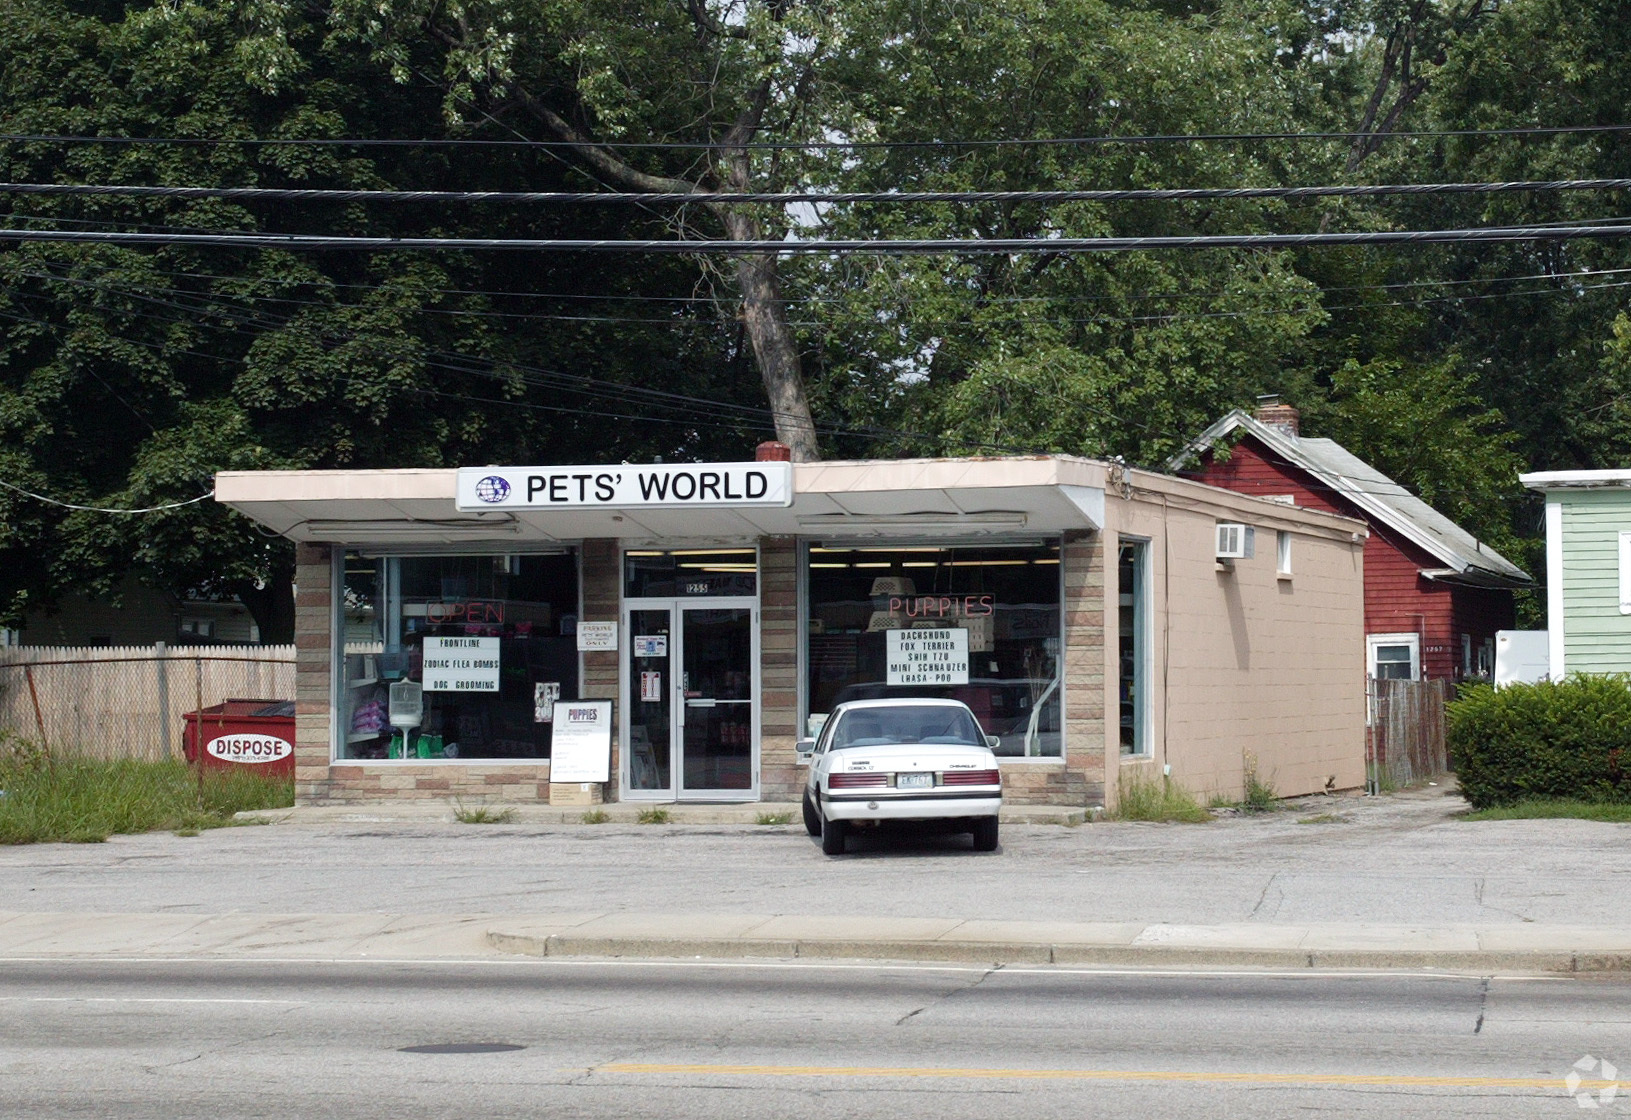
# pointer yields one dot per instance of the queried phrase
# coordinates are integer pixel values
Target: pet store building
(474, 633)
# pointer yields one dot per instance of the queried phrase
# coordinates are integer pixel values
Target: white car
(904, 759)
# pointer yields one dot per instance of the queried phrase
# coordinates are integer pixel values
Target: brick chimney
(1281, 417)
(771, 451)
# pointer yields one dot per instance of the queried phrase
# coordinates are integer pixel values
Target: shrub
(1562, 739)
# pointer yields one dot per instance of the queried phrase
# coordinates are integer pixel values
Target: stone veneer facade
(1076, 781)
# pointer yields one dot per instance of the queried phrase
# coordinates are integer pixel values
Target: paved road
(1388, 860)
(219, 1040)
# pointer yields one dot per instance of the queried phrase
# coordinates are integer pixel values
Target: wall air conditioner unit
(1235, 541)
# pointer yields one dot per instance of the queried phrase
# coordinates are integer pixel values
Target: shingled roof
(1382, 501)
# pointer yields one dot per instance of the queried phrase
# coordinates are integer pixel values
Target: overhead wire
(893, 197)
(817, 145)
(938, 246)
(104, 509)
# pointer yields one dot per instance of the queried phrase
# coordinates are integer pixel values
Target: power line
(104, 509)
(817, 145)
(325, 282)
(1150, 194)
(983, 245)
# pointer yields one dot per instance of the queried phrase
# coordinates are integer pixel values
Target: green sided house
(1588, 569)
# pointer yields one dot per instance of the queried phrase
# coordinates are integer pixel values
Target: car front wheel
(834, 834)
(985, 834)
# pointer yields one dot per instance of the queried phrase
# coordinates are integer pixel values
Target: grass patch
(1141, 799)
(773, 818)
(654, 816)
(84, 801)
(482, 814)
(1555, 809)
(596, 816)
(1322, 818)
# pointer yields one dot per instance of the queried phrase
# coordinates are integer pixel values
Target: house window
(1133, 650)
(1625, 571)
(1282, 552)
(198, 627)
(1394, 657)
(1000, 607)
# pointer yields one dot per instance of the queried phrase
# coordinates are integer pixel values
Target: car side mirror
(993, 741)
(805, 749)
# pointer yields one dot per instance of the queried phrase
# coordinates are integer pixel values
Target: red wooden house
(1434, 594)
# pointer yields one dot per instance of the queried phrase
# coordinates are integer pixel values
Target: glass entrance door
(692, 726)
(716, 710)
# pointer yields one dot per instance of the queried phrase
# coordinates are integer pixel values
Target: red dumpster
(243, 733)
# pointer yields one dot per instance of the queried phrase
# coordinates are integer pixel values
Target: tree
(724, 75)
(129, 377)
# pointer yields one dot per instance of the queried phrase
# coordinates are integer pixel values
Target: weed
(1321, 818)
(596, 816)
(1220, 801)
(1260, 794)
(481, 814)
(186, 832)
(654, 816)
(1140, 799)
(87, 800)
(1553, 808)
(773, 818)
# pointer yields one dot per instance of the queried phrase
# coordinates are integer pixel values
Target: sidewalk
(1344, 882)
(360, 937)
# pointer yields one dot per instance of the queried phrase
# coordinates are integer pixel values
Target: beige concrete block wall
(780, 778)
(314, 648)
(1247, 666)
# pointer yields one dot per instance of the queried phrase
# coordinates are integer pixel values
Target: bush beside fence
(129, 702)
(1556, 739)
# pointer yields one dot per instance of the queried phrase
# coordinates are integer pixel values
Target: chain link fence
(129, 701)
(1404, 744)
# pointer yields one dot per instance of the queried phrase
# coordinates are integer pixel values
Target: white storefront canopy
(891, 499)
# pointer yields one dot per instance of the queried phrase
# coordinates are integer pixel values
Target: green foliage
(1565, 739)
(86, 801)
(1140, 798)
(654, 816)
(596, 816)
(1261, 796)
(773, 818)
(482, 814)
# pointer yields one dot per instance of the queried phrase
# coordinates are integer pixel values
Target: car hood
(912, 756)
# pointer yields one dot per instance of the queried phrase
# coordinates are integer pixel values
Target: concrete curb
(1019, 953)
(617, 812)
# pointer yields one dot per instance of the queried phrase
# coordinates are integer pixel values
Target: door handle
(700, 703)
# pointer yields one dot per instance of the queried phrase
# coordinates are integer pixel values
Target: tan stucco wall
(1245, 666)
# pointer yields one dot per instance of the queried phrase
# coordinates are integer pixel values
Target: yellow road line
(1554, 1083)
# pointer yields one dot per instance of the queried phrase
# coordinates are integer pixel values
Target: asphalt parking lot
(1398, 859)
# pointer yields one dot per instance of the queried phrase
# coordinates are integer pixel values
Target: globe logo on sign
(492, 489)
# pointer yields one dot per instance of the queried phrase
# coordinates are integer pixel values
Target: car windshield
(906, 723)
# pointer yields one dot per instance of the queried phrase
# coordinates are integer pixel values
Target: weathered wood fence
(1404, 744)
(129, 701)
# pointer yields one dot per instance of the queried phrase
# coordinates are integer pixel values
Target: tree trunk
(764, 315)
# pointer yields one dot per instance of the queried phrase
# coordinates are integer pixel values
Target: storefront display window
(487, 645)
(976, 624)
(1132, 650)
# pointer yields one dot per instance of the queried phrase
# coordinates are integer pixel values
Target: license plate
(914, 781)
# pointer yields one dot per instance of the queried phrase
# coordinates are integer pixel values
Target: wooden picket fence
(129, 701)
